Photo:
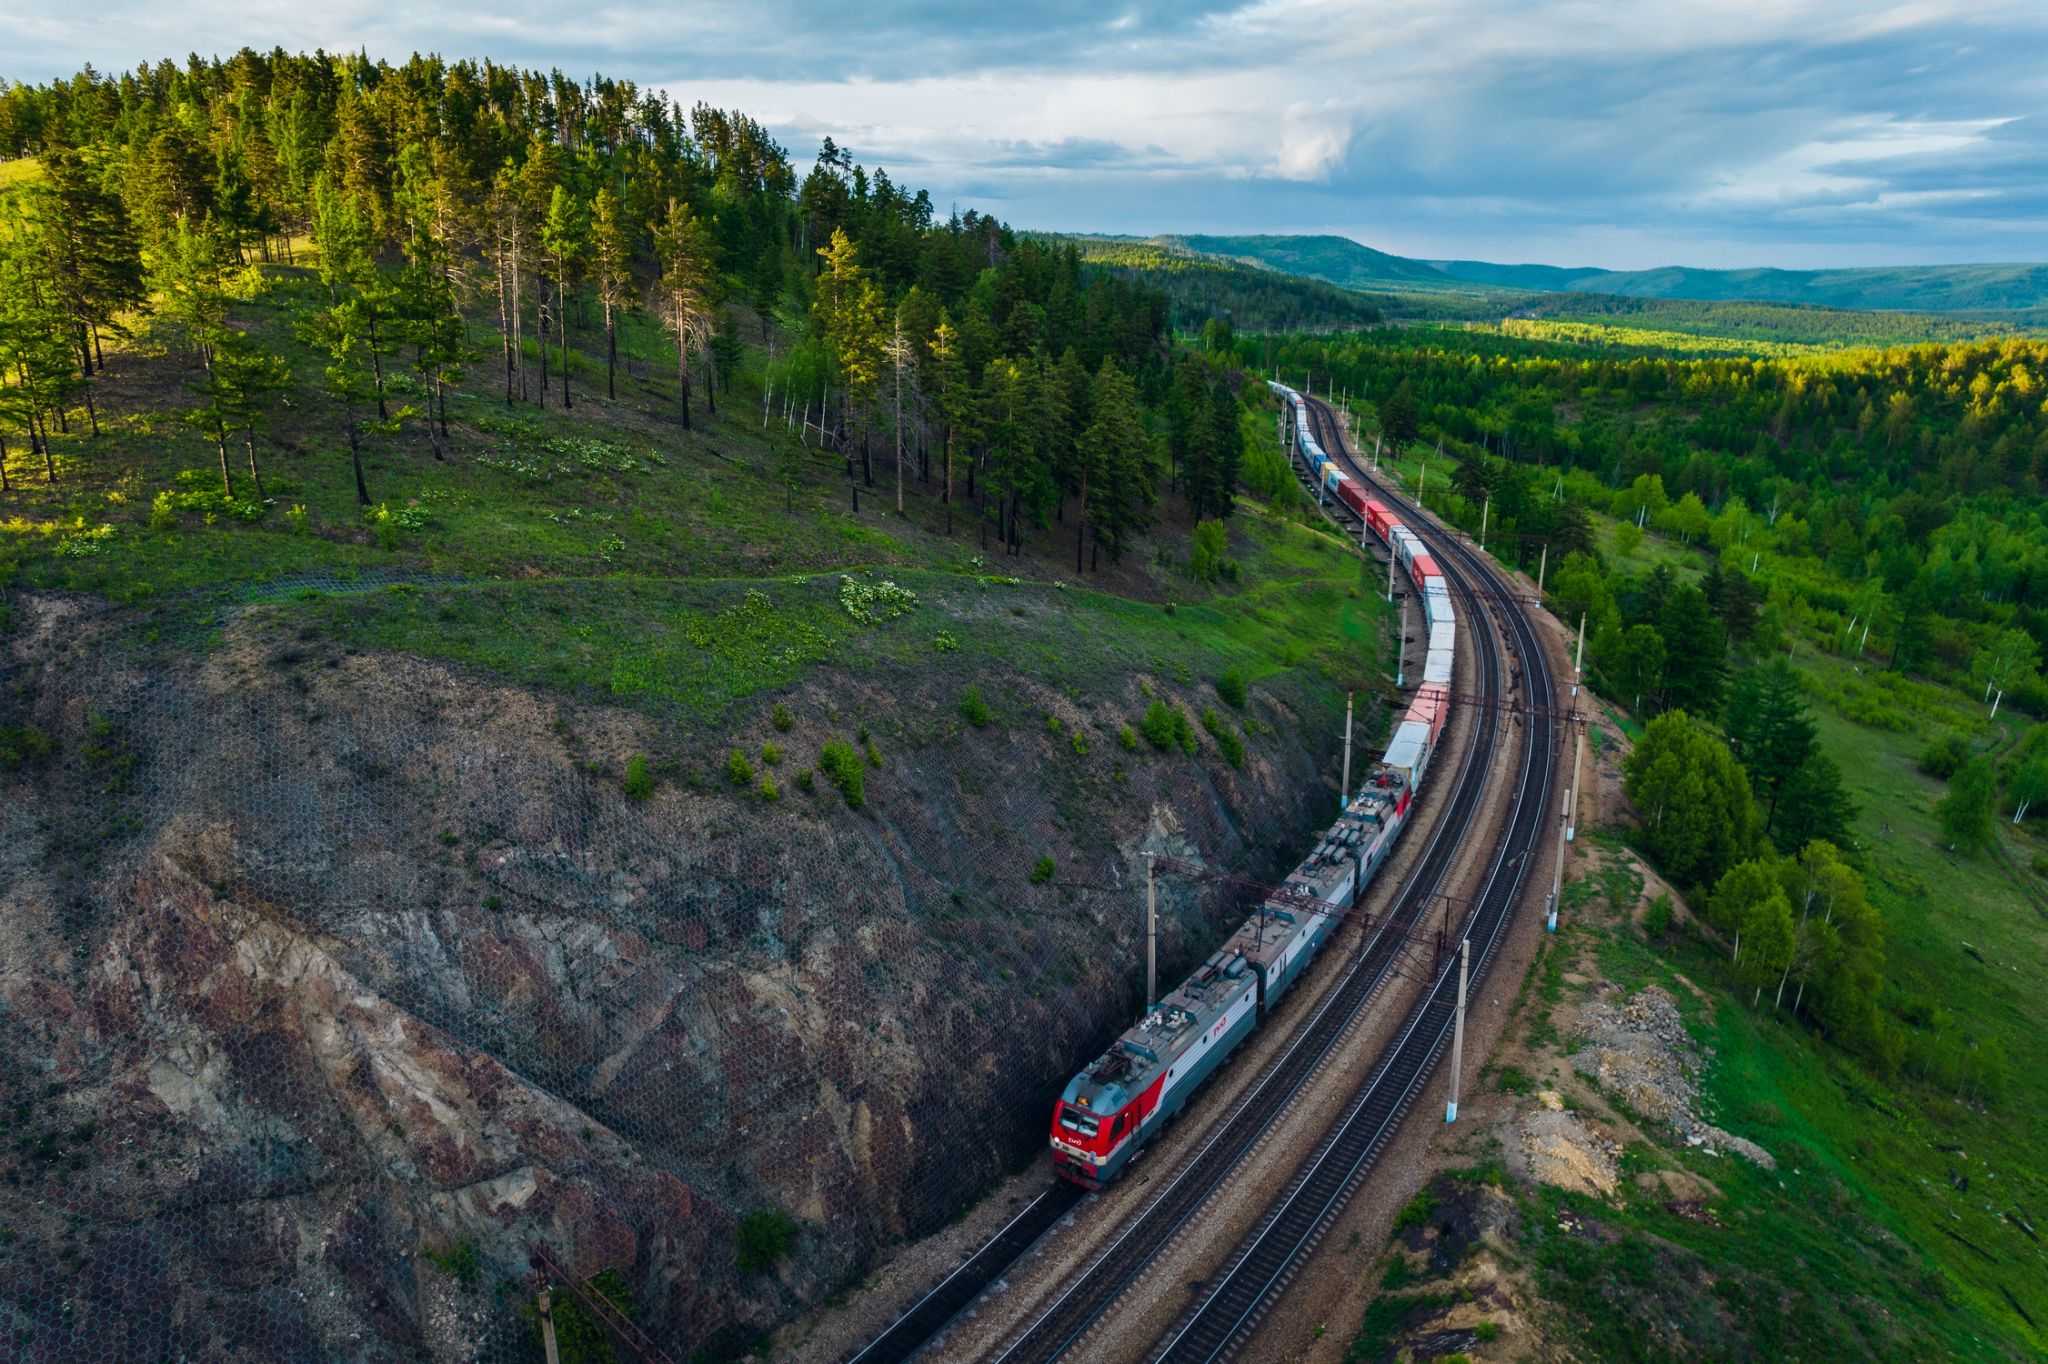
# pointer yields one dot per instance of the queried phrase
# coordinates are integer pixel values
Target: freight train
(1116, 1105)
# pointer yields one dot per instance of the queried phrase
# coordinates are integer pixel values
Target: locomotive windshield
(1074, 1120)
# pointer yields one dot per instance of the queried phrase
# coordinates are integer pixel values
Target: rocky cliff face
(331, 983)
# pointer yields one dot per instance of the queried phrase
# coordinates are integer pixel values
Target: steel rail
(1268, 1260)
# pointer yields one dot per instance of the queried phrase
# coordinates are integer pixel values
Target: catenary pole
(1344, 791)
(1458, 1028)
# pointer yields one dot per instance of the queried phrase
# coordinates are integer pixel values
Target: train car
(1284, 936)
(1108, 1111)
(1431, 707)
(1409, 751)
(1436, 599)
(1120, 1102)
(1405, 544)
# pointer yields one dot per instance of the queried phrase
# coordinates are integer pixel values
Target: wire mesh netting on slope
(332, 980)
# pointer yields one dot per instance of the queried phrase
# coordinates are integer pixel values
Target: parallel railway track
(1085, 1300)
(1269, 1258)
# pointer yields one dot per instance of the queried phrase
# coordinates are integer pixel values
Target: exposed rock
(313, 962)
(1564, 1152)
(1640, 1053)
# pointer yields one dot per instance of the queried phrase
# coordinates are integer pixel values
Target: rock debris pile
(1640, 1052)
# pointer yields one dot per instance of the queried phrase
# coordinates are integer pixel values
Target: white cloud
(1313, 140)
(1577, 128)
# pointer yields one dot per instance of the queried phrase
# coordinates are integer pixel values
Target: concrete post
(1579, 658)
(1151, 935)
(1458, 1029)
(1344, 791)
(1542, 566)
(1571, 815)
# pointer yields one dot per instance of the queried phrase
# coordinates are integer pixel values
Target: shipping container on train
(1112, 1108)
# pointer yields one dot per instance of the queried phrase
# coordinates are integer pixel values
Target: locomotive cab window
(1074, 1120)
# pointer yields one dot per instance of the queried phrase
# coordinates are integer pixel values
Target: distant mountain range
(1919, 288)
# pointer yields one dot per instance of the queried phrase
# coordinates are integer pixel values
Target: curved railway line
(1266, 1262)
(1318, 1191)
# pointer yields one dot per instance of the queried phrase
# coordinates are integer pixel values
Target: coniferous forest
(434, 201)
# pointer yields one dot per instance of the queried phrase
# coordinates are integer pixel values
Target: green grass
(1832, 1255)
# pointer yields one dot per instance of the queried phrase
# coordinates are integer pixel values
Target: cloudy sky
(1622, 133)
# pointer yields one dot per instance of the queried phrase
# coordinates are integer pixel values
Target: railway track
(1070, 1316)
(1263, 1265)
(1099, 1286)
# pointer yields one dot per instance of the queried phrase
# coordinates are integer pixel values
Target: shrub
(1128, 740)
(973, 709)
(1042, 871)
(769, 791)
(296, 519)
(1657, 918)
(1183, 731)
(458, 1260)
(1158, 724)
(770, 754)
(738, 770)
(1227, 738)
(639, 780)
(1231, 688)
(782, 719)
(581, 1336)
(842, 767)
(1944, 757)
(1486, 1332)
(807, 781)
(1210, 543)
(874, 754)
(1080, 744)
(1052, 724)
(20, 744)
(761, 1240)
(1420, 1209)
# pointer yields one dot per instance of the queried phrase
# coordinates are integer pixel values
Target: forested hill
(2010, 288)
(1922, 288)
(561, 672)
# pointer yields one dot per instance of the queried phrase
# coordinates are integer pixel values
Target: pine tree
(847, 314)
(949, 383)
(1772, 730)
(565, 235)
(1695, 653)
(1127, 484)
(95, 262)
(612, 272)
(686, 286)
(36, 352)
